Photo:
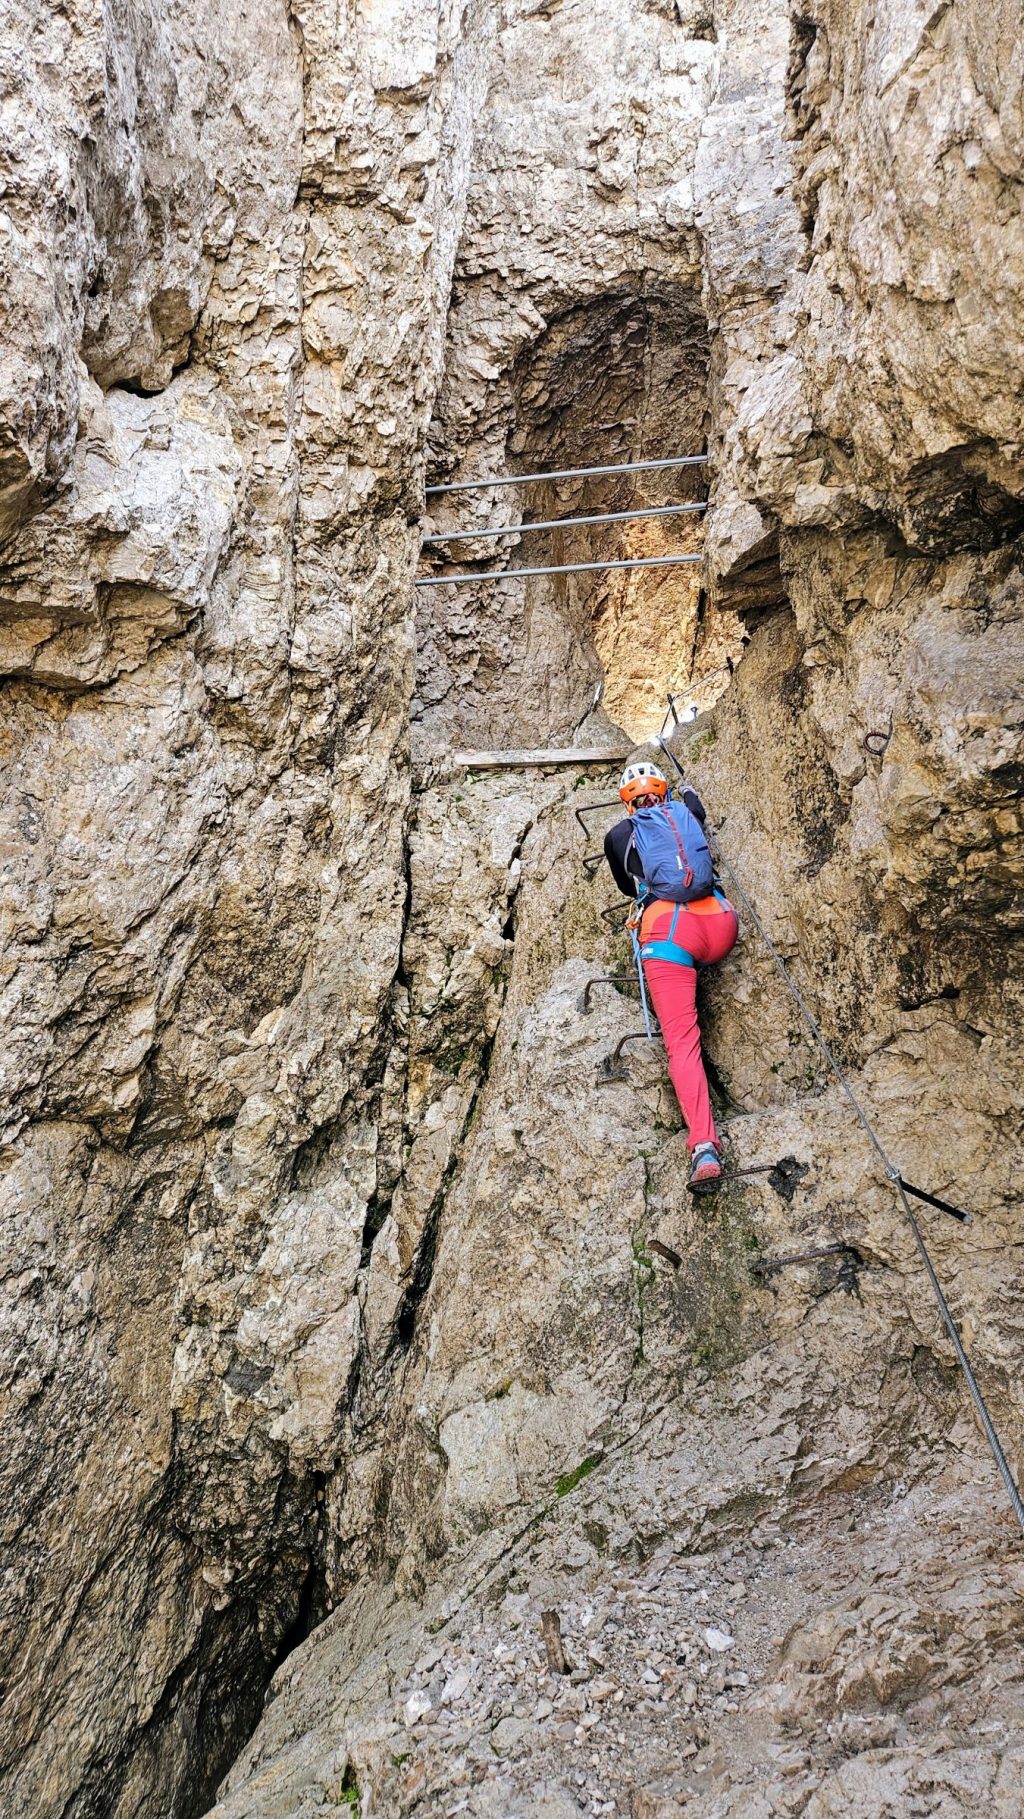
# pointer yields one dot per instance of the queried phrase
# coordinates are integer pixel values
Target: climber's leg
(673, 989)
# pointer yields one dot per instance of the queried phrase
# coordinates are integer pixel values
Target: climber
(684, 922)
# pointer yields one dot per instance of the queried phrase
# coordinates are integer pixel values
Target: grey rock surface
(338, 1345)
(206, 630)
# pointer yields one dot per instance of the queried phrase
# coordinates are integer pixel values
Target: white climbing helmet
(641, 780)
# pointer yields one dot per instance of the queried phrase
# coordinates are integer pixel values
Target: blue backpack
(670, 845)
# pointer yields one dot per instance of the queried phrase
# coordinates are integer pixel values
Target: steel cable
(471, 533)
(565, 473)
(559, 568)
(977, 1398)
(891, 1171)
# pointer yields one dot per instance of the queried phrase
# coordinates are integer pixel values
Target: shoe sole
(709, 1185)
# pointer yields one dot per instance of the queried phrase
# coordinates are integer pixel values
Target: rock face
(207, 629)
(344, 1277)
(142, 150)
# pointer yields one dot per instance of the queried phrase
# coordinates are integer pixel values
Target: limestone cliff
(330, 1285)
(207, 640)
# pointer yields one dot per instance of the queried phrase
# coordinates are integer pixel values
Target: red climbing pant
(708, 931)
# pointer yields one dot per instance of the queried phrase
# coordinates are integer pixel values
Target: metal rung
(557, 524)
(566, 473)
(955, 1212)
(615, 1058)
(613, 1067)
(612, 914)
(592, 809)
(583, 1001)
(766, 1266)
(563, 568)
(691, 690)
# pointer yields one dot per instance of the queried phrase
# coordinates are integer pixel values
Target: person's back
(677, 933)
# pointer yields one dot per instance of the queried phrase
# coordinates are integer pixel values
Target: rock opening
(616, 379)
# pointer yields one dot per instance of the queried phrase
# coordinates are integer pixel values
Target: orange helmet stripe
(643, 786)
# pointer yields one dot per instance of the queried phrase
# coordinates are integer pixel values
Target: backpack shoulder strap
(638, 877)
(687, 868)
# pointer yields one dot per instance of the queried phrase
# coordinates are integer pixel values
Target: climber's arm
(692, 801)
(616, 844)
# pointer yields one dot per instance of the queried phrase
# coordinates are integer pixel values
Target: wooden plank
(512, 760)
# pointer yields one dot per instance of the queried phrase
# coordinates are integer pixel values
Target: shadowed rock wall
(230, 253)
(331, 1283)
(573, 1421)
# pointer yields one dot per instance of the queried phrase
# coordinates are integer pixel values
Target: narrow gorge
(355, 1312)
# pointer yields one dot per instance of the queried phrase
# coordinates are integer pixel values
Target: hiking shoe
(705, 1169)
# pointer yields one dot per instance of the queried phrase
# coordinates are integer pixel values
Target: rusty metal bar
(612, 1067)
(592, 809)
(636, 1036)
(767, 1266)
(583, 1001)
(616, 909)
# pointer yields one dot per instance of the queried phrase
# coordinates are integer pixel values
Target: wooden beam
(513, 760)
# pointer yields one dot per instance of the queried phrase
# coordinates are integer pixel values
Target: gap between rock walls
(617, 375)
(493, 840)
(347, 1293)
(633, 363)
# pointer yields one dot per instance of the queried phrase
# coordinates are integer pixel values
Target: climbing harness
(646, 950)
(670, 949)
(892, 1174)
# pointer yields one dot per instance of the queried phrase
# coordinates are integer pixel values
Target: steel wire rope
(891, 1171)
(470, 534)
(564, 473)
(561, 568)
(995, 1445)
